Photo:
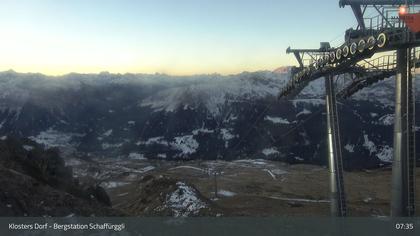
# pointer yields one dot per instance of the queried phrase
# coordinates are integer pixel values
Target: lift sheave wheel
(381, 41)
(346, 51)
(353, 48)
(338, 54)
(361, 46)
(332, 57)
(326, 58)
(320, 63)
(371, 42)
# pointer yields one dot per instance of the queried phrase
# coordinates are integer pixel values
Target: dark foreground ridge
(36, 182)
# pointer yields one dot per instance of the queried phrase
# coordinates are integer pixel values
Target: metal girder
(363, 81)
(300, 53)
(366, 79)
(289, 50)
(358, 13)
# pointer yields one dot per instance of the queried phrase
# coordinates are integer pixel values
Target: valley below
(205, 145)
(244, 187)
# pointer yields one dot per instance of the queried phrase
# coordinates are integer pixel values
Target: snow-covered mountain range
(186, 117)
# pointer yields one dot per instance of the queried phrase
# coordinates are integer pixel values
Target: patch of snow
(112, 184)
(64, 122)
(367, 200)
(227, 136)
(310, 101)
(111, 145)
(107, 133)
(369, 145)
(304, 112)
(155, 140)
(28, 147)
(373, 115)
(186, 144)
(382, 92)
(298, 158)
(270, 151)
(305, 138)
(184, 201)
(259, 162)
(277, 120)
(314, 89)
(231, 118)
(70, 215)
(386, 154)
(387, 119)
(131, 122)
(383, 153)
(53, 138)
(202, 130)
(349, 148)
(225, 193)
(161, 155)
(136, 156)
(279, 171)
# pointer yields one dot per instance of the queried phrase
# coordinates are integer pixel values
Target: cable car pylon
(391, 30)
(335, 162)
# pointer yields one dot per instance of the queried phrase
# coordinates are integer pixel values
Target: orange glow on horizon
(54, 71)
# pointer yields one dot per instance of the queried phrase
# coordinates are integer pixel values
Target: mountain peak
(282, 70)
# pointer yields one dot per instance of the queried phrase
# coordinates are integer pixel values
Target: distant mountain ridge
(189, 117)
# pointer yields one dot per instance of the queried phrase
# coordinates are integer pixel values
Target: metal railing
(382, 63)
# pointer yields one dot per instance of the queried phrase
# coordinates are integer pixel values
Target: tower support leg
(402, 203)
(335, 163)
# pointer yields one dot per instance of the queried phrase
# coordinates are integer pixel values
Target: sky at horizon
(178, 37)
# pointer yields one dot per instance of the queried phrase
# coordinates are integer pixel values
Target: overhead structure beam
(289, 50)
(383, 17)
(299, 59)
(300, 53)
(358, 13)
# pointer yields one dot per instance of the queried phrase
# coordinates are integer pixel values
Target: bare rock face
(35, 182)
